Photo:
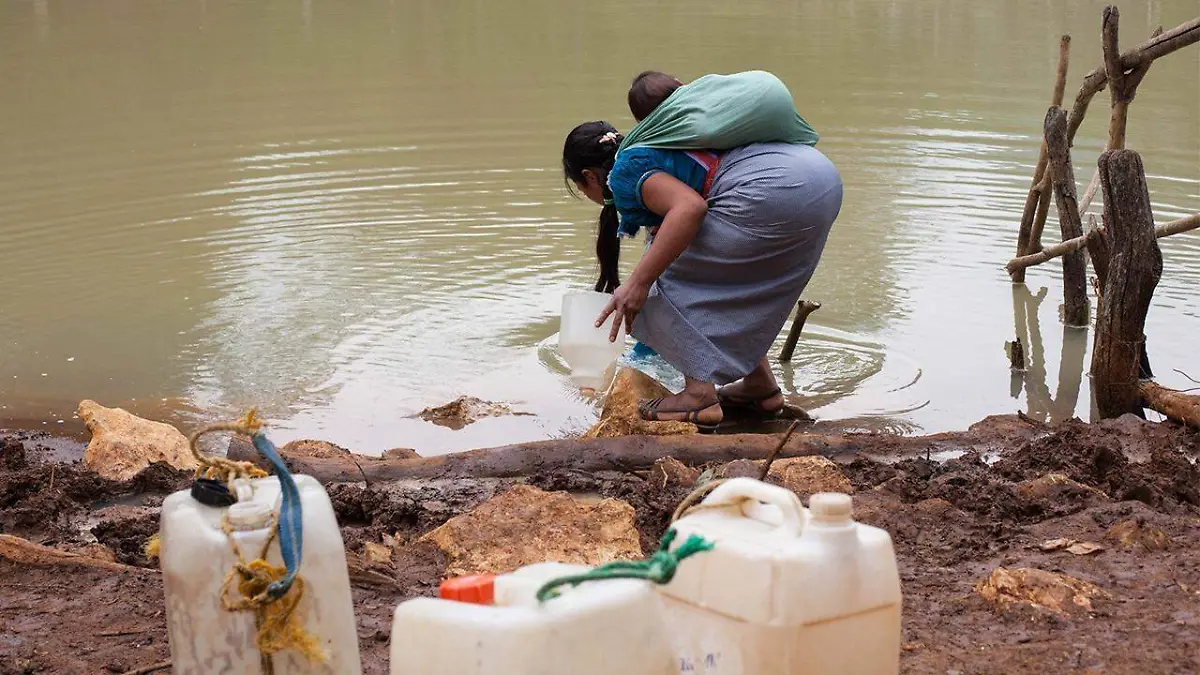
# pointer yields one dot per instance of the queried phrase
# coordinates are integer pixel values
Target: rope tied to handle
(223, 468)
(272, 592)
(659, 568)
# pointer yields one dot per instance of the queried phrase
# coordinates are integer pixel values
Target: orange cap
(479, 589)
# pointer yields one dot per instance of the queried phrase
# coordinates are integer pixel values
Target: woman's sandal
(649, 412)
(751, 403)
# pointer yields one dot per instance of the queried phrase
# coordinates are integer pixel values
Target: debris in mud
(526, 525)
(1056, 592)
(1071, 546)
(123, 444)
(467, 410)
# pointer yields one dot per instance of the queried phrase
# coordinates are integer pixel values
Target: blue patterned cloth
(630, 171)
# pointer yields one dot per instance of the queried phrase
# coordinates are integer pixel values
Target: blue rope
(290, 527)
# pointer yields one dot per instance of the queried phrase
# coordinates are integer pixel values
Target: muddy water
(345, 214)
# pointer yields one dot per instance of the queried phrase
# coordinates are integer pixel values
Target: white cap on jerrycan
(587, 349)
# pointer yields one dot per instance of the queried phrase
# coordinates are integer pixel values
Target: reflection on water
(1041, 404)
(343, 216)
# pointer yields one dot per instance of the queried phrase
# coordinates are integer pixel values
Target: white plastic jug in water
(785, 590)
(611, 627)
(585, 348)
(196, 555)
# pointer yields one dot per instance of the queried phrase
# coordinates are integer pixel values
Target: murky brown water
(345, 213)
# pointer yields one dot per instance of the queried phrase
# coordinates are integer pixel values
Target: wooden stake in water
(805, 308)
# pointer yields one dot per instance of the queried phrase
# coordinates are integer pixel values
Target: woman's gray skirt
(718, 308)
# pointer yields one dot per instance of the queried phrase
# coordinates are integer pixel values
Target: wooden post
(1037, 202)
(1134, 271)
(1062, 175)
(805, 308)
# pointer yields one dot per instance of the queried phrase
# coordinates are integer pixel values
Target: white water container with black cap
(785, 590)
(196, 555)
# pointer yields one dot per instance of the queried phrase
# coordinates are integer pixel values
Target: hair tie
(608, 201)
(610, 137)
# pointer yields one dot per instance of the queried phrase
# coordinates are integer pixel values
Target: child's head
(648, 90)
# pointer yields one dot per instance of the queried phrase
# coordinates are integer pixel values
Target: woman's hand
(627, 301)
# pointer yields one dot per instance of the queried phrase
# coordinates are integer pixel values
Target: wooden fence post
(1134, 270)
(1062, 175)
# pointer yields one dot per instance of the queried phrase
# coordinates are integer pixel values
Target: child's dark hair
(593, 145)
(648, 90)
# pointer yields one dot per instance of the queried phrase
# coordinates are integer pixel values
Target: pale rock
(670, 471)
(807, 476)
(526, 525)
(314, 450)
(377, 554)
(123, 444)
(620, 416)
(1055, 486)
(1138, 535)
(1055, 592)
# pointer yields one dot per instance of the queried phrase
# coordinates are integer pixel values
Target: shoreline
(1127, 485)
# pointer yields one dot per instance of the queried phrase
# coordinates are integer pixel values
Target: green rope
(659, 568)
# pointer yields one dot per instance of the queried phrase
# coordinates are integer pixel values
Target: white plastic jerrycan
(587, 349)
(786, 590)
(611, 627)
(196, 555)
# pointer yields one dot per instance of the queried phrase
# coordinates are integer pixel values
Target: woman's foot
(765, 399)
(700, 408)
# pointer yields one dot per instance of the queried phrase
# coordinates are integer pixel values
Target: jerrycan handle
(740, 491)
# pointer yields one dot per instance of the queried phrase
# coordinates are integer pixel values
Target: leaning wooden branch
(1176, 405)
(1062, 176)
(805, 308)
(1173, 227)
(1037, 202)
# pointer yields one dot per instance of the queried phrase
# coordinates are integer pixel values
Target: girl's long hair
(593, 145)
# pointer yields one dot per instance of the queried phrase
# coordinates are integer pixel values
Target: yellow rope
(278, 622)
(223, 468)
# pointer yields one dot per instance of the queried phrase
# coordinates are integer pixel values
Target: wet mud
(1126, 489)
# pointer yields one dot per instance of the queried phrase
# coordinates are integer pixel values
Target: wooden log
(1037, 202)
(1176, 405)
(805, 308)
(1060, 86)
(1075, 299)
(1134, 271)
(26, 552)
(630, 453)
(1158, 46)
(1185, 224)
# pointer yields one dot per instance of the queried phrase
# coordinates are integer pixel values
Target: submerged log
(1134, 271)
(632, 453)
(1176, 405)
(1062, 176)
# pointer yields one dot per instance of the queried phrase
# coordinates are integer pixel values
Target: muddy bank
(1129, 489)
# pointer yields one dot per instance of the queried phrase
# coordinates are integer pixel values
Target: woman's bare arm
(682, 209)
